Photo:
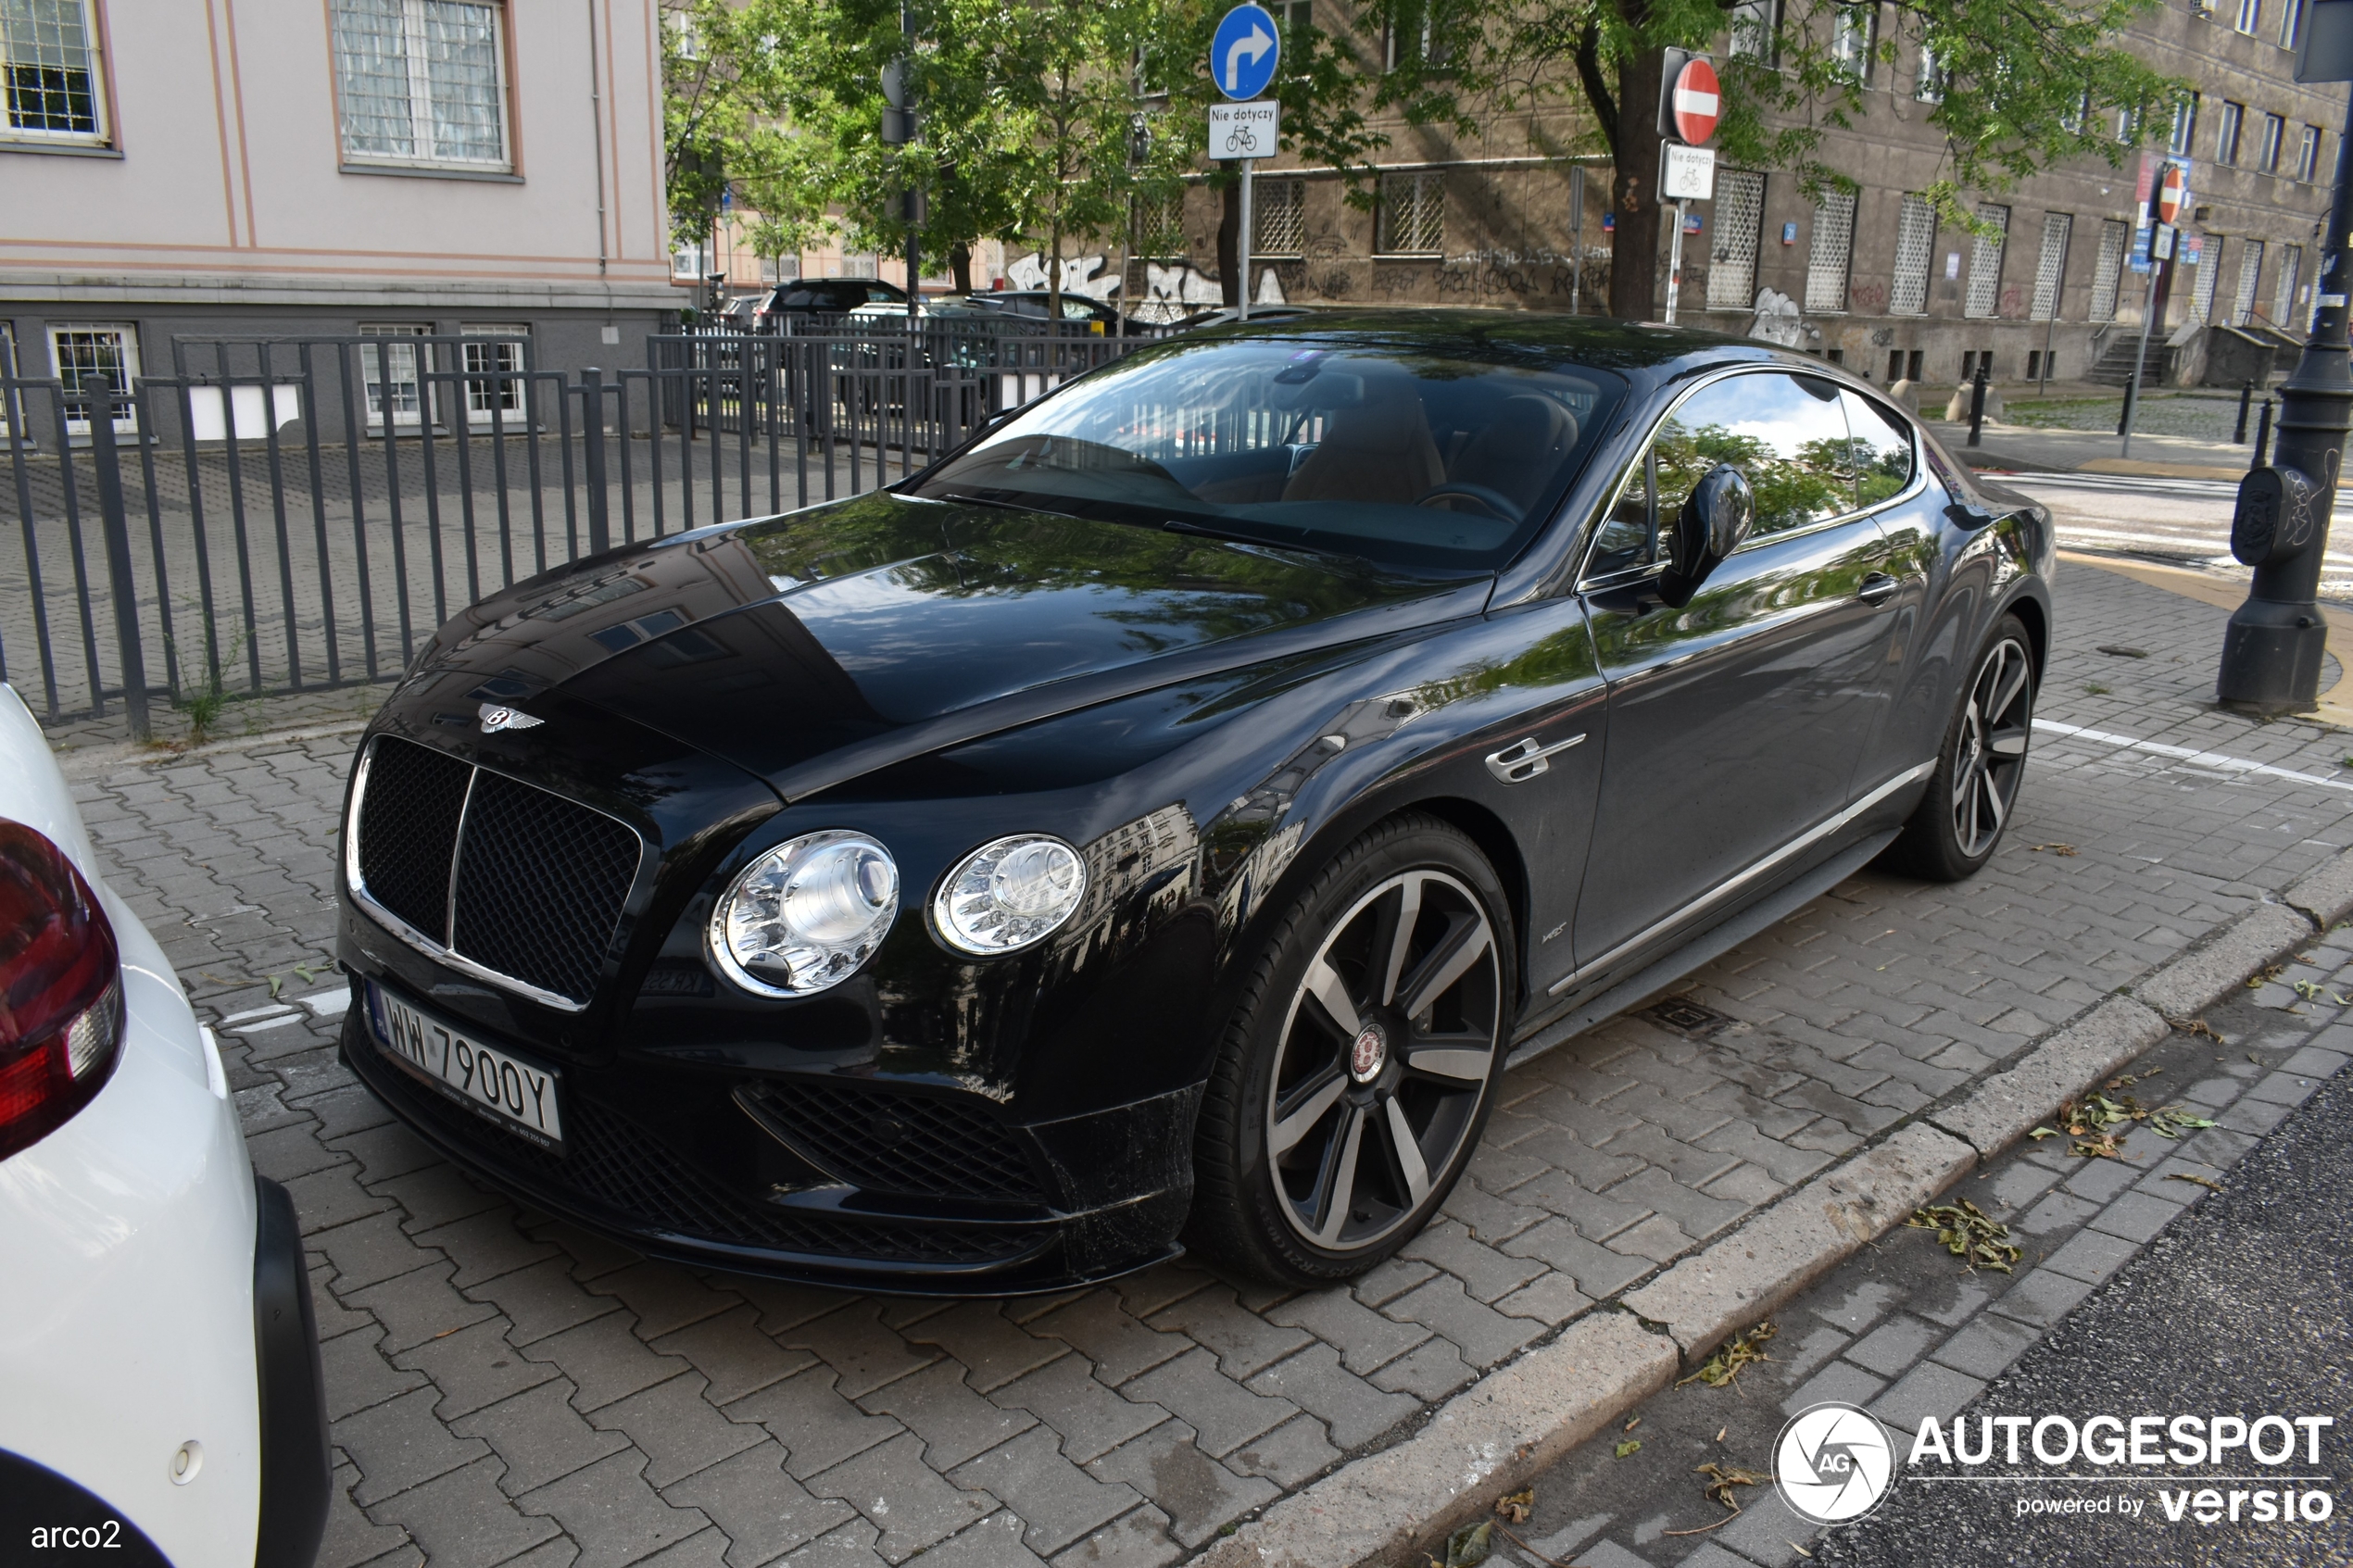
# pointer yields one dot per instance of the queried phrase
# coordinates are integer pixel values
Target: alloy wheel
(1991, 758)
(1385, 1056)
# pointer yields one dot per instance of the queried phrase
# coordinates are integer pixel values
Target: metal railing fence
(288, 514)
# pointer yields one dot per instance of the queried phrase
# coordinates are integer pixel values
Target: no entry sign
(1696, 101)
(2169, 191)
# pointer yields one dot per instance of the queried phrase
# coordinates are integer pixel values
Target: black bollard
(2246, 396)
(2262, 435)
(1977, 404)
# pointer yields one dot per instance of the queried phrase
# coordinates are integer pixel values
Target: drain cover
(1681, 1012)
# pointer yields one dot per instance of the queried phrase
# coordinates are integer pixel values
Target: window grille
(1160, 227)
(49, 52)
(1915, 239)
(90, 359)
(2109, 276)
(1985, 262)
(502, 364)
(389, 370)
(1833, 251)
(1412, 214)
(2050, 268)
(2250, 275)
(2210, 270)
(423, 81)
(1739, 213)
(1279, 217)
(2284, 286)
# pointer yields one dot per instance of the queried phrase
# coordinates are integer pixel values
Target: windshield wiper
(1234, 535)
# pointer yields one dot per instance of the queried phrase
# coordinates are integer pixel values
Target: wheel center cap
(1369, 1055)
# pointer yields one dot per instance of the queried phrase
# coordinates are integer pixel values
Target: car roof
(1600, 340)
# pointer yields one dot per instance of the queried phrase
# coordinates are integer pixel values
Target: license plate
(517, 1094)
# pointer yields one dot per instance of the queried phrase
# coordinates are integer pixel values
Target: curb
(98, 759)
(1512, 1424)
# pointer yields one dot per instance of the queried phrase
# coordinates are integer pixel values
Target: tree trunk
(1634, 259)
(959, 266)
(1231, 281)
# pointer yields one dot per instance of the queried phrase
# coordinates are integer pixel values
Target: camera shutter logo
(1833, 1463)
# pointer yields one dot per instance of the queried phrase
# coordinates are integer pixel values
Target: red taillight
(60, 990)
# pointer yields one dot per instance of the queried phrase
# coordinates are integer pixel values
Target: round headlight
(806, 914)
(1008, 893)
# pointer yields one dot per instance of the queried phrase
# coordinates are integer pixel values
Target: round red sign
(1696, 101)
(2169, 195)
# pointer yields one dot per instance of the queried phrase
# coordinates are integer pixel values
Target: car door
(1922, 655)
(1733, 724)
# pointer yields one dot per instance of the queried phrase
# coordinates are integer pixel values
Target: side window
(1883, 449)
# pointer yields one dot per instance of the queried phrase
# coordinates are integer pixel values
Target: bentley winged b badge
(495, 718)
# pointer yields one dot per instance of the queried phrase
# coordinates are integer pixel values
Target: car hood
(812, 647)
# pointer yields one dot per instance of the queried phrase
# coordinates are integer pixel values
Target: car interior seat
(1378, 448)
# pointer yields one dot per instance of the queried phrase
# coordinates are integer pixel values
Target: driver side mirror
(1713, 521)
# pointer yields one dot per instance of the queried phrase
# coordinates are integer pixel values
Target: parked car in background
(160, 1398)
(815, 298)
(1159, 821)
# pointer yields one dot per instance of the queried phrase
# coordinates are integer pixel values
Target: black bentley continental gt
(1158, 824)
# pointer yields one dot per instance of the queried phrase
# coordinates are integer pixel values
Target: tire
(1324, 1082)
(1979, 767)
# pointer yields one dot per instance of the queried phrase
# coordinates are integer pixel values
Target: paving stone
(2041, 1299)
(1430, 1370)
(1106, 1334)
(662, 1297)
(817, 1426)
(1091, 1418)
(1956, 1304)
(854, 1342)
(1162, 1285)
(731, 1353)
(2137, 1216)
(1487, 1218)
(399, 1444)
(2284, 1089)
(1987, 1347)
(763, 1511)
(954, 1422)
(705, 1549)
(605, 1359)
(1287, 1455)
(1860, 1307)
(1841, 1381)
(1597, 1271)
(473, 1367)
(849, 1546)
(1057, 1502)
(610, 1510)
(1550, 1298)
(2091, 1256)
(1483, 1335)
(1352, 1411)
(356, 1374)
(436, 1196)
(1486, 1273)
(418, 1306)
(2058, 1212)
(907, 1500)
(540, 1436)
(1365, 1339)
(994, 1349)
(486, 1246)
(284, 1153)
(1388, 1280)
(2251, 1116)
(1893, 1346)
(1198, 1494)
(1139, 1539)
(351, 1536)
(387, 1151)
(995, 1542)
(542, 1300)
(676, 1428)
(333, 1197)
(462, 1517)
(1242, 1341)
(1927, 1392)
(368, 1251)
(2101, 1180)
(593, 1256)
(1225, 1414)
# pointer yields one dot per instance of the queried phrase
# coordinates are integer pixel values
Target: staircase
(2115, 366)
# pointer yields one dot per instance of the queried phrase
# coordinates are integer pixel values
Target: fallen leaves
(2098, 1124)
(1731, 1358)
(1627, 1448)
(1722, 1478)
(2208, 1182)
(1467, 1546)
(2195, 1027)
(2065, 849)
(1517, 1506)
(2314, 991)
(1970, 1233)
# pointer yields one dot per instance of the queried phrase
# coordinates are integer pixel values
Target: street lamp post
(2271, 649)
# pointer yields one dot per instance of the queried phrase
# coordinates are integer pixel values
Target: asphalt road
(2243, 1305)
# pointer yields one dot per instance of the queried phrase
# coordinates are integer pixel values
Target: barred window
(1831, 252)
(1739, 211)
(422, 81)
(89, 360)
(49, 51)
(1915, 239)
(2209, 272)
(389, 372)
(1985, 262)
(1277, 216)
(1412, 214)
(2250, 276)
(2284, 286)
(1160, 227)
(503, 366)
(2108, 275)
(2050, 268)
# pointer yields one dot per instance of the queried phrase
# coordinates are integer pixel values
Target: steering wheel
(1494, 501)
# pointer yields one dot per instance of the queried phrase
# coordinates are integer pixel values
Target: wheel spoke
(1324, 984)
(1409, 1154)
(1995, 806)
(1464, 1058)
(1400, 938)
(1968, 820)
(2009, 742)
(1336, 1183)
(1300, 1109)
(2011, 678)
(1465, 943)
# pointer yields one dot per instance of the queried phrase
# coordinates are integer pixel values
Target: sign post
(1243, 54)
(1689, 104)
(2170, 190)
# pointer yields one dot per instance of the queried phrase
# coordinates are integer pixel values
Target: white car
(159, 1390)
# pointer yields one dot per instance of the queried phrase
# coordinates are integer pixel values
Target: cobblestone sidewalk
(504, 1388)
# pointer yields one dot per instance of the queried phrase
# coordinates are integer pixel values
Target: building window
(1985, 262)
(1409, 39)
(1915, 239)
(1754, 34)
(2226, 132)
(2184, 132)
(1831, 252)
(390, 371)
(1934, 76)
(1852, 36)
(2250, 276)
(1279, 217)
(1412, 214)
(90, 359)
(2209, 271)
(2250, 12)
(2291, 23)
(2274, 140)
(1731, 263)
(1296, 15)
(689, 261)
(503, 366)
(421, 82)
(2050, 267)
(2308, 156)
(2284, 282)
(2115, 238)
(50, 50)
(1160, 227)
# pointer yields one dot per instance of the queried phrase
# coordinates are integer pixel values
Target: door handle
(1877, 588)
(1523, 760)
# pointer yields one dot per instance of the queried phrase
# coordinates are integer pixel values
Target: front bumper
(1120, 1185)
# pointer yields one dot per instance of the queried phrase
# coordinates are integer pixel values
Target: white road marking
(326, 1004)
(255, 1012)
(266, 1023)
(2183, 753)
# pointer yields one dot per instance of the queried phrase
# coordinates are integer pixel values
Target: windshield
(1408, 457)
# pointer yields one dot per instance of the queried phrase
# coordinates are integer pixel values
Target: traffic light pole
(2271, 649)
